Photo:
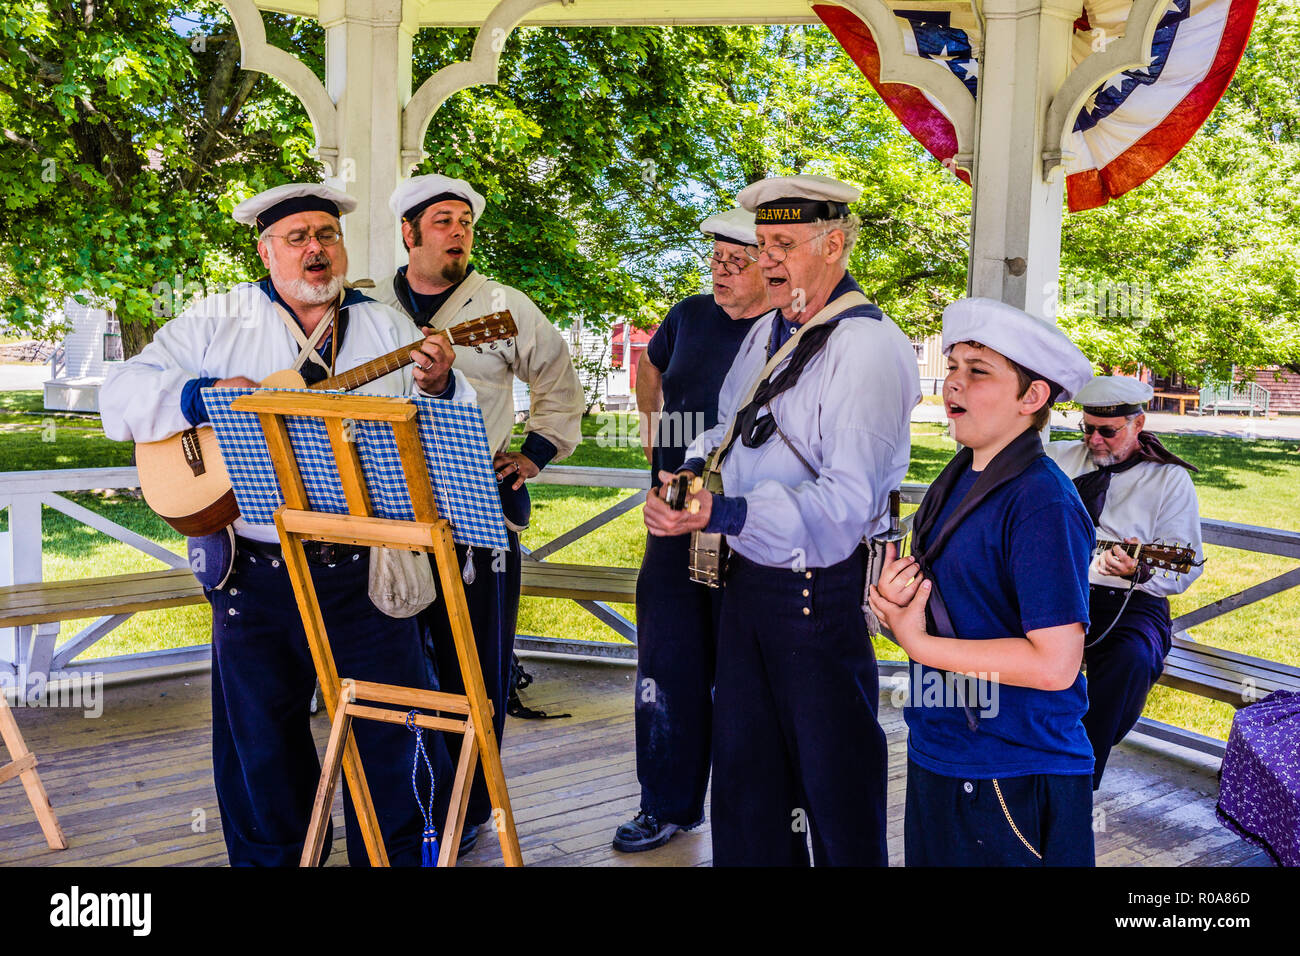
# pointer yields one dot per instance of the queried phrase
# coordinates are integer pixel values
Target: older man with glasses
(302, 315)
(813, 434)
(1138, 492)
(678, 377)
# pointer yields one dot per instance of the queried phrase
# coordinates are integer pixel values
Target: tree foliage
(130, 133)
(1209, 244)
(127, 146)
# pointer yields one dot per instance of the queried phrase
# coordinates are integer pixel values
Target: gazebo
(1027, 100)
(993, 87)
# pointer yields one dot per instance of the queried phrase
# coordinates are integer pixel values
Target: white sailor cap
(413, 196)
(796, 199)
(734, 225)
(271, 205)
(1035, 344)
(1110, 396)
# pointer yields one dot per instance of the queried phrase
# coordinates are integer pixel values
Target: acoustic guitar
(183, 478)
(1157, 557)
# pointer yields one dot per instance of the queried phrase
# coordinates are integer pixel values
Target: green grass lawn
(1255, 482)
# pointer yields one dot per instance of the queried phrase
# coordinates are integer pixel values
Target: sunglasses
(1107, 431)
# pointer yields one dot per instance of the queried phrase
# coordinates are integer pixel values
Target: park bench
(47, 602)
(1208, 671)
(1234, 397)
(1233, 678)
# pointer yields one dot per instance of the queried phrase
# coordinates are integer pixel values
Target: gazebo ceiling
(472, 13)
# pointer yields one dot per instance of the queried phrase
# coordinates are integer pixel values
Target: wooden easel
(470, 713)
(22, 764)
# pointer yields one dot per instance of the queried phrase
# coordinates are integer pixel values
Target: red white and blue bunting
(1128, 128)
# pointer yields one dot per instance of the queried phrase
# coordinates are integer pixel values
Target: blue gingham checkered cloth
(455, 452)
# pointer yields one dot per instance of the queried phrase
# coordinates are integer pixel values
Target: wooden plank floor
(134, 786)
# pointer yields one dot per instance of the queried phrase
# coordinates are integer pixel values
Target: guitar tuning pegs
(509, 342)
(478, 349)
(493, 346)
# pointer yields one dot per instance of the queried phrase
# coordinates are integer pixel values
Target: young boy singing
(991, 608)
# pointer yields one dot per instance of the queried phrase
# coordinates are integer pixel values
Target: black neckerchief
(1094, 485)
(754, 431)
(406, 298)
(1006, 466)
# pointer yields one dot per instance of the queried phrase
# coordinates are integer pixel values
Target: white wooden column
(368, 76)
(1016, 219)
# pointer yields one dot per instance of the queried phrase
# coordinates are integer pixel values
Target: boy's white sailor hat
(271, 205)
(413, 196)
(1035, 344)
(734, 225)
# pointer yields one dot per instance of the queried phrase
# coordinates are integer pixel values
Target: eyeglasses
(778, 251)
(300, 237)
(1107, 431)
(732, 265)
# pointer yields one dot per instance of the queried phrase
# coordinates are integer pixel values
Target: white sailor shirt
(538, 355)
(1152, 502)
(849, 416)
(239, 333)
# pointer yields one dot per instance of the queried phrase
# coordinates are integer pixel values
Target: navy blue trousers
(677, 624)
(1038, 820)
(493, 599)
(263, 755)
(797, 748)
(1124, 667)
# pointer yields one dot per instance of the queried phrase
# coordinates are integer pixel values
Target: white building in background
(79, 365)
(591, 351)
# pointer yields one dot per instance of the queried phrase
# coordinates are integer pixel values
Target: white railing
(30, 649)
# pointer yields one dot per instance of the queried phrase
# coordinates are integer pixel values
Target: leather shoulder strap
(832, 309)
(456, 301)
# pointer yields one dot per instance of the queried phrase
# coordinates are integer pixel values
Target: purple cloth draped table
(1259, 792)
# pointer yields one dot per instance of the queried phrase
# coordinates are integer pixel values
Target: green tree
(127, 146)
(1210, 243)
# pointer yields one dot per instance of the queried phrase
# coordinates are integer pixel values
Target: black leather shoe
(468, 840)
(644, 832)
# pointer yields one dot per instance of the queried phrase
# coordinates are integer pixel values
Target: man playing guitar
(263, 758)
(1136, 491)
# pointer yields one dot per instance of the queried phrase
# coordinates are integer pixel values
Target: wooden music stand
(22, 764)
(471, 712)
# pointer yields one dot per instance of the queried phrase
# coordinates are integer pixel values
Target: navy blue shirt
(1018, 563)
(693, 350)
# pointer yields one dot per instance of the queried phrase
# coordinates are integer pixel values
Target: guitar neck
(1163, 556)
(375, 368)
(489, 328)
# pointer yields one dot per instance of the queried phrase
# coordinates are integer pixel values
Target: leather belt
(318, 552)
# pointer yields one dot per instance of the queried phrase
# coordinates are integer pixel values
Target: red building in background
(627, 344)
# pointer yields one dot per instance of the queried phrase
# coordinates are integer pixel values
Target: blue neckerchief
(419, 306)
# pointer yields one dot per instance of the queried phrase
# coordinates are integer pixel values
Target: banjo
(709, 550)
(183, 478)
